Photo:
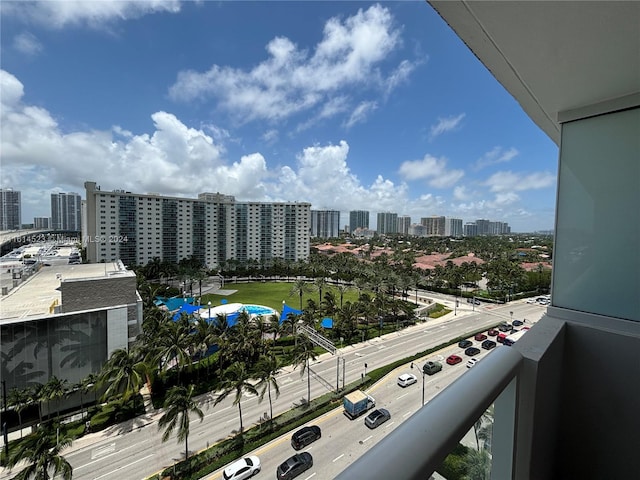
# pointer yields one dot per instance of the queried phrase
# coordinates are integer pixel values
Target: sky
(346, 105)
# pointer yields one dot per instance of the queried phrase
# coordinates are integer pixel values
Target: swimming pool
(258, 310)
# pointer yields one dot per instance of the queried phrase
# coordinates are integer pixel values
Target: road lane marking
(407, 414)
(124, 466)
(100, 451)
(311, 476)
(338, 458)
(403, 395)
(368, 438)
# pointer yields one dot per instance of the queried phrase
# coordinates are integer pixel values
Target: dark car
(465, 343)
(480, 336)
(488, 344)
(517, 323)
(430, 368)
(492, 332)
(294, 466)
(504, 327)
(305, 436)
(471, 351)
(377, 418)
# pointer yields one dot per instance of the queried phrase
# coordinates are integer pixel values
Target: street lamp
(209, 304)
(511, 313)
(422, 384)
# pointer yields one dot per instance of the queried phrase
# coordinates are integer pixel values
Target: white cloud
(460, 193)
(510, 181)
(431, 168)
(360, 114)
(91, 13)
(444, 125)
(27, 44)
(496, 155)
(294, 80)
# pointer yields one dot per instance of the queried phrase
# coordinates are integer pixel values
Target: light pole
(423, 388)
(209, 304)
(511, 314)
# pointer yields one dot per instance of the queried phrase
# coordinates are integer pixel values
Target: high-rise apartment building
(40, 223)
(453, 227)
(358, 219)
(387, 223)
(10, 209)
(213, 228)
(404, 222)
(66, 211)
(325, 223)
(435, 225)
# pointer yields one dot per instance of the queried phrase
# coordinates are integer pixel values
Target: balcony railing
(420, 444)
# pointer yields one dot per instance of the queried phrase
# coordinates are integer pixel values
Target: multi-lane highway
(134, 450)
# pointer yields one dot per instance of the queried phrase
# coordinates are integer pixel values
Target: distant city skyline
(344, 105)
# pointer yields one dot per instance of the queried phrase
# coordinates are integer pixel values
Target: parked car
(472, 362)
(430, 368)
(471, 351)
(377, 418)
(480, 337)
(453, 359)
(407, 379)
(517, 323)
(504, 327)
(305, 436)
(488, 344)
(501, 336)
(465, 343)
(531, 300)
(244, 468)
(294, 466)
(492, 332)
(474, 301)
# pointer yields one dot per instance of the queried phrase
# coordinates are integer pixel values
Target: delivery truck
(356, 403)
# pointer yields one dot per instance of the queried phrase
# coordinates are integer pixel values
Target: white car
(407, 379)
(244, 468)
(472, 362)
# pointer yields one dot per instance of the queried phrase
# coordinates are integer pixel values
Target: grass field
(271, 294)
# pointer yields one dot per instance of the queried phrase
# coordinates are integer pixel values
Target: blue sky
(346, 105)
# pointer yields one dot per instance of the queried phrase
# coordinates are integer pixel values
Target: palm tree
(174, 345)
(267, 370)
(178, 404)
(478, 464)
(299, 287)
(319, 283)
(41, 450)
(18, 399)
(236, 380)
(124, 373)
(342, 289)
(304, 352)
(55, 389)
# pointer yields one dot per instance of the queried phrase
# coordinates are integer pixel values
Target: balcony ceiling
(553, 56)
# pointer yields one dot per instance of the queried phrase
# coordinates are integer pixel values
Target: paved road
(134, 450)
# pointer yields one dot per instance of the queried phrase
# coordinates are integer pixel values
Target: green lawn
(271, 294)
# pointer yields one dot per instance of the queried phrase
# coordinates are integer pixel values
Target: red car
(453, 359)
(493, 332)
(480, 337)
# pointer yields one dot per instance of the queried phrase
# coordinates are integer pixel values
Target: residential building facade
(434, 225)
(387, 223)
(10, 209)
(404, 222)
(66, 211)
(453, 227)
(212, 228)
(41, 223)
(358, 219)
(325, 223)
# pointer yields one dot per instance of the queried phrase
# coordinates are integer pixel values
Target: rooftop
(39, 295)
